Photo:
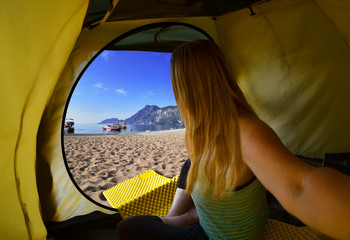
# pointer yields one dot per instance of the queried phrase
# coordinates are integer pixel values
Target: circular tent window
(121, 119)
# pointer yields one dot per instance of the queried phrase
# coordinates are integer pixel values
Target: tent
(291, 57)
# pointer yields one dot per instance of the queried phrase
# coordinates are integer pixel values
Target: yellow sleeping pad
(276, 230)
(146, 194)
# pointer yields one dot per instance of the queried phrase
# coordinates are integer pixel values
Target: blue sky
(119, 83)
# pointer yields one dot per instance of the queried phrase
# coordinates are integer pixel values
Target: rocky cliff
(153, 115)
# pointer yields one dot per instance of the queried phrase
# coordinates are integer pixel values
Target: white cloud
(105, 55)
(121, 92)
(100, 86)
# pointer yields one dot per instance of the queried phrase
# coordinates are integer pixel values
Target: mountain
(110, 121)
(143, 116)
(152, 115)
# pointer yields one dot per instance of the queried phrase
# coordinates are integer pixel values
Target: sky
(117, 84)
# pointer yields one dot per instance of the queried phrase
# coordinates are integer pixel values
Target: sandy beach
(99, 162)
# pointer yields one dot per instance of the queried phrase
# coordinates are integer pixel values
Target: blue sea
(93, 128)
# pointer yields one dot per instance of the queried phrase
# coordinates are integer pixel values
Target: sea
(94, 128)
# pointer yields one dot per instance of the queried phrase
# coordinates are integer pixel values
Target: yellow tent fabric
(36, 40)
(294, 65)
(292, 59)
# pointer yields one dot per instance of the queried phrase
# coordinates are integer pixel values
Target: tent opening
(121, 112)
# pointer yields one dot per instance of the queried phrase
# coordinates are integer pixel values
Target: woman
(229, 200)
(319, 197)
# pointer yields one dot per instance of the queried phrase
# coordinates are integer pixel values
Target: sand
(99, 162)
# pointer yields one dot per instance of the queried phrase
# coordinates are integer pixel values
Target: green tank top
(243, 215)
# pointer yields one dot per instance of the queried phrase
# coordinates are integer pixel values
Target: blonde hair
(209, 101)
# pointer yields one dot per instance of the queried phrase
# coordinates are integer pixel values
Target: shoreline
(162, 132)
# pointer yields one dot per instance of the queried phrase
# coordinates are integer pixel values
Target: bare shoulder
(260, 142)
(263, 152)
(254, 129)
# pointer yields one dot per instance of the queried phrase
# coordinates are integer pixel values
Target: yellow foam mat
(146, 194)
(276, 230)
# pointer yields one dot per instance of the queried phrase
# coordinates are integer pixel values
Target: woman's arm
(320, 197)
(182, 211)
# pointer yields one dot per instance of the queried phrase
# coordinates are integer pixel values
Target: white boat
(122, 125)
(69, 125)
(112, 127)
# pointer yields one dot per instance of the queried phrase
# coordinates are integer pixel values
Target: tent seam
(18, 182)
(109, 12)
(20, 132)
(332, 23)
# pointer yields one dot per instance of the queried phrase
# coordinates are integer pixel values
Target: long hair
(209, 101)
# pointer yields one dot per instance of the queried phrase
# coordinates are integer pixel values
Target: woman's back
(242, 215)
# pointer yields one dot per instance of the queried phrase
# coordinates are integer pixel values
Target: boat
(122, 125)
(69, 125)
(112, 127)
